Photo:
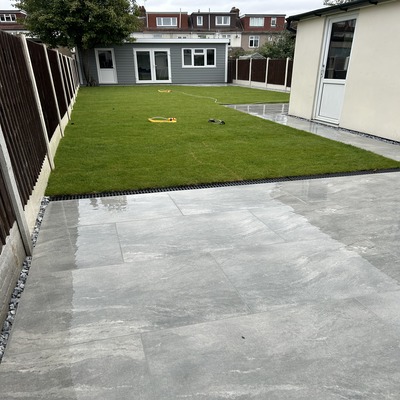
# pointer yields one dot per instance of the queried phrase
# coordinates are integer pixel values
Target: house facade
(11, 21)
(198, 25)
(157, 61)
(166, 22)
(259, 29)
(248, 32)
(345, 67)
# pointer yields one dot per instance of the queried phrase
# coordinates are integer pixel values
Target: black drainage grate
(215, 185)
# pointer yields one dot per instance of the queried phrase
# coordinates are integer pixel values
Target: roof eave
(334, 9)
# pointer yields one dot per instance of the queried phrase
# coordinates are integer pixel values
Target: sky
(288, 7)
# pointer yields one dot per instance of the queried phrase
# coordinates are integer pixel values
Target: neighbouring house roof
(160, 40)
(334, 9)
(254, 56)
(166, 12)
(262, 15)
(13, 25)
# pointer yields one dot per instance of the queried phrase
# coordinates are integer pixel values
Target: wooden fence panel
(231, 70)
(276, 72)
(67, 80)
(57, 79)
(7, 216)
(289, 74)
(44, 86)
(244, 70)
(19, 116)
(258, 72)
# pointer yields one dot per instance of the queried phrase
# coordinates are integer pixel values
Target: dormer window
(256, 21)
(222, 20)
(8, 18)
(199, 20)
(167, 21)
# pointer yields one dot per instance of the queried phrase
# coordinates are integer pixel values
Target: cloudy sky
(288, 7)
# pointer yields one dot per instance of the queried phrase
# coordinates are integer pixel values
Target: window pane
(161, 60)
(254, 41)
(105, 59)
(187, 57)
(256, 21)
(144, 65)
(222, 20)
(339, 49)
(210, 57)
(166, 21)
(199, 60)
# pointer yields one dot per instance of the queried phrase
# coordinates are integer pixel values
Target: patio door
(105, 61)
(152, 66)
(335, 64)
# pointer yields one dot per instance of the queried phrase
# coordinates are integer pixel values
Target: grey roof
(333, 9)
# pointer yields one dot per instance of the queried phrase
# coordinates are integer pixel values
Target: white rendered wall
(372, 96)
(372, 92)
(306, 67)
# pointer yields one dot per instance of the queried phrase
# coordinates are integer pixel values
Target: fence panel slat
(7, 216)
(258, 70)
(19, 117)
(57, 78)
(289, 74)
(244, 70)
(276, 72)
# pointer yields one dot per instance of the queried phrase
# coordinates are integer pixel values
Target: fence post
(12, 189)
(53, 88)
(286, 71)
(250, 70)
(266, 72)
(237, 68)
(37, 99)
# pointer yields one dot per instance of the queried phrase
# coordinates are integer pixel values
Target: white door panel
(331, 101)
(106, 69)
(335, 64)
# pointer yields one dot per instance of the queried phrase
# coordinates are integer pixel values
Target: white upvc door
(334, 67)
(106, 69)
(152, 66)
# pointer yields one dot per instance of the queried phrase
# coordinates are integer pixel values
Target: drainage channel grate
(216, 185)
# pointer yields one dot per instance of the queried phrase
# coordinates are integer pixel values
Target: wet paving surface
(286, 290)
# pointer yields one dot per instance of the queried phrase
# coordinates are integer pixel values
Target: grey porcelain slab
(286, 290)
(333, 350)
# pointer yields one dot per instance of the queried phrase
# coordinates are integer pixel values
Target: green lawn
(110, 145)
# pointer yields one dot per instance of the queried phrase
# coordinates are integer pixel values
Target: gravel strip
(20, 285)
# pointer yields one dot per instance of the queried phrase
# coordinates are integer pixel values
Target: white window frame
(8, 18)
(224, 20)
(254, 39)
(162, 21)
(198, 51)
(273, 22)
(257, 21)
(199, 20)
(152, 52)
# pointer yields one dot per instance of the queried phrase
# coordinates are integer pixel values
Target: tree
(281, 47)
(335, 2)
(84, 24)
